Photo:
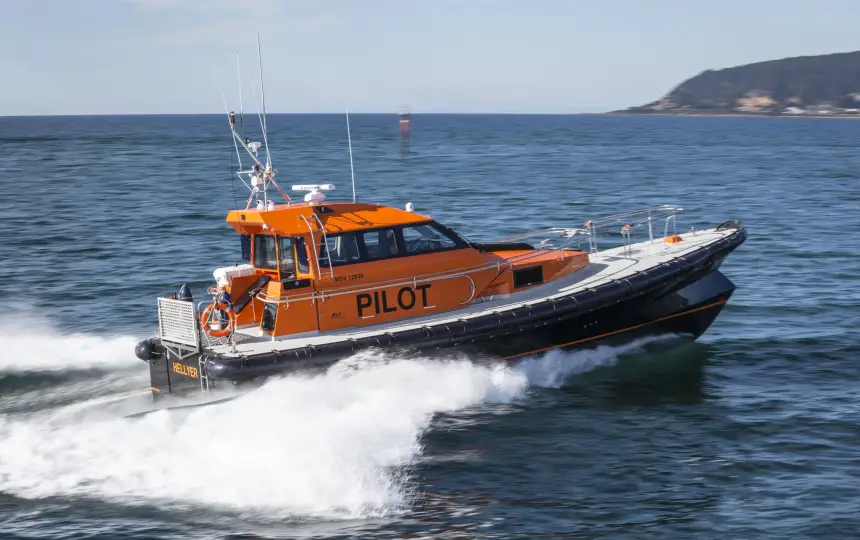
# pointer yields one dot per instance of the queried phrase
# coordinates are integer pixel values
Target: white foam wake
(29, 343)
(331, 445)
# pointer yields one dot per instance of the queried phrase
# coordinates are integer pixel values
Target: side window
(425, 239)
(264, 252)
(339, 250)
(246, 247)
(286, 263)
(302, 256)
(450, 233)
(380, 244)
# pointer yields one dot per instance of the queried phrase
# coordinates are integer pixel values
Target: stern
(174, 356)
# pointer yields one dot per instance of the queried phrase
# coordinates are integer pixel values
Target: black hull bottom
(687, 311)
(686, 306)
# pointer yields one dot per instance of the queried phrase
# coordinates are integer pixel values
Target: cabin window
(286, 262)
(270, 312)
(302, 256)
(246, 247)
(380, 244)
(455, 237)
(264, 252)
(524, 277)
(339, 250)
(425, 239)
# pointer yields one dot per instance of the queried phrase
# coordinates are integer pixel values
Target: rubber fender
(525, 314)
(276, 358)
(435, 337)
(675, 267)
(411, 336)
(524, 319)
(587, 299)
(216, 366)
(480, 325)
(337, 348)
(306, 356)
(697, 258)
(383, 340)
(508, 319)
(447, 332)
(541, 310)
(615, 290)
(659, 273)
(370, 341)
(270, 362)
(567, 304)
(146, 351)
(303, 354)
(459, 329)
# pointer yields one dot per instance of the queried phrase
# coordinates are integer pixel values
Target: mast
(260, 174)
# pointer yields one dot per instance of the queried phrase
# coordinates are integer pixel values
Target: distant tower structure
(404, 119)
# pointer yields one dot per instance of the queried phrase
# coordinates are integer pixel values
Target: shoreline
(742, 115)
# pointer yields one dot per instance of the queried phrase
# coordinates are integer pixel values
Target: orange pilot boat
(323, 280)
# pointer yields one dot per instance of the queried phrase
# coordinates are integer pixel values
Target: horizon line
(394, 113)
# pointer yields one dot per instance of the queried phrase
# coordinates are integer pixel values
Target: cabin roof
(336, 217)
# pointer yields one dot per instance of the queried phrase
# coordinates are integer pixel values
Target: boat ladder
(205, 385)
(314, 244)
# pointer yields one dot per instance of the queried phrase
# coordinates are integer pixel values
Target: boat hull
(682, 297)
(687, 311)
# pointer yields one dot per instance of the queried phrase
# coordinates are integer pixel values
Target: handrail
(325, 243)
(314, 245)
(629, 220)
(657, 212)
(564, 232)
(472, 294)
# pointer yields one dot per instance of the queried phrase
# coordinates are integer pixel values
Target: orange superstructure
(336, 217)
(324, 266)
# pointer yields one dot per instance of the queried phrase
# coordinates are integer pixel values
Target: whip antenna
(263, 97)
(351, 168)
(241, 106)
(231, 118)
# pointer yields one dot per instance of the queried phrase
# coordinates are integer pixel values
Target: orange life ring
(204, 320)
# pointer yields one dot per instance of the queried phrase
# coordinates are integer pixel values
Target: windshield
(264, 252)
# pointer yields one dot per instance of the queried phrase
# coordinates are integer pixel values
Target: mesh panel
(177, 321)
(236, 337)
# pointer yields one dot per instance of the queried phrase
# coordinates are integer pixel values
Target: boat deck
(605, 266)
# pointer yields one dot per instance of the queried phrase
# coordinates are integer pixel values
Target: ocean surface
(751, 432)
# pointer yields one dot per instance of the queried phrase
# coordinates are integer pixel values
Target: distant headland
(821, 86)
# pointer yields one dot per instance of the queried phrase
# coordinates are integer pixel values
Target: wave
(335, 445)
(32, 344)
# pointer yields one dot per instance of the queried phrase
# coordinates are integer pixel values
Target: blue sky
(542, 56)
